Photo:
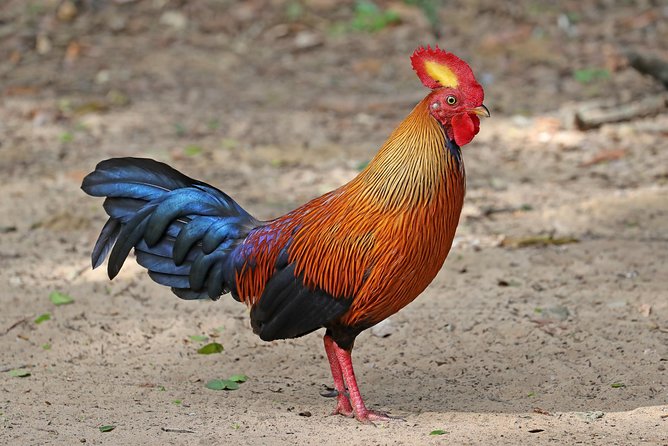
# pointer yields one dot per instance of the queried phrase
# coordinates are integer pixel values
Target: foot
(349, 399)
(343, 407)
(369, 416)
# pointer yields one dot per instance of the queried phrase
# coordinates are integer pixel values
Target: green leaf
(192, 150)
(161, 388)
(58, 298)
(222, 384)
(19, 373)
(587, 75)
(239, 378)
(294, 10)
(215, 384)
(46, 346)
(531, 394)
(107, 428)
(617, 385)
(230, 385)
(208, 349)
(177, 402)
(66, 137)
(438, 432)
(229, 143)
(369, 17)
(198, 338)
(42, 317)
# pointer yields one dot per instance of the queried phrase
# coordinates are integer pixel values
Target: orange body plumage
(380, 239)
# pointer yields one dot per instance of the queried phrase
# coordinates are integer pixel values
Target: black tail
(183, 231)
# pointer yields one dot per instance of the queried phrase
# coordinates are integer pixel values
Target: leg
(361, 412)
(343, 404)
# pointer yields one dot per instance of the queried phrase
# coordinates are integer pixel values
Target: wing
(288, 308)
(304, 271)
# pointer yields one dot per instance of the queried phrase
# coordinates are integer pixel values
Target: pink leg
(361, 412)
(343, 404)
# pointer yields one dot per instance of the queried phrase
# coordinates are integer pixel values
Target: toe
(370, 416)
(343, 407)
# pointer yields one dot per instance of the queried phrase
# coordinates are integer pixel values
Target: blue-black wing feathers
(289, 309)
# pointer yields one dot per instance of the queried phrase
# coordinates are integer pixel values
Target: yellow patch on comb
(441, 73)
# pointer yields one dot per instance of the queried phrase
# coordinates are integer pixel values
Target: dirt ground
(548, 323)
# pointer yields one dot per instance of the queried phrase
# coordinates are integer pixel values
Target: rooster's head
(456, 99)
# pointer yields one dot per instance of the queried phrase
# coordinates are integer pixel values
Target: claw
(370, 416)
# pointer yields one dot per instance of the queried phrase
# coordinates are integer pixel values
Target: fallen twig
(647, 64)
(604, 156)
(14, 325)
(536, 240)
(177, 431)
(7, 369)
(591, 117)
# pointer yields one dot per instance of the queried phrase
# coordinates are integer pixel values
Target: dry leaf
(604, 156)
(72, 52)
(541, 411)
(645, 309)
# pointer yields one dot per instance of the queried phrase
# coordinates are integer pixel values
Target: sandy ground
(516, 341)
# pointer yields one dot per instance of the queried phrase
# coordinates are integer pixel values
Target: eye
(451, 100)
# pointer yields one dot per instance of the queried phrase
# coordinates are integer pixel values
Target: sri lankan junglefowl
(343, 261)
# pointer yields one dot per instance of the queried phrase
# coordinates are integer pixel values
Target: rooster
(344, 261)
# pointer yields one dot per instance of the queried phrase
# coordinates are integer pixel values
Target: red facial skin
(453, 110)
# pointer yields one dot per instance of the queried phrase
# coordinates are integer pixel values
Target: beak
(480, 111)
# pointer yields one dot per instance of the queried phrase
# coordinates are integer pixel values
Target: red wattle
(465, 127)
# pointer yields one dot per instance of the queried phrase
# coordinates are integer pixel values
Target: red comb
(437, 68)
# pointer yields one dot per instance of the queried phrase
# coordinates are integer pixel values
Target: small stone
(383, 329)
(175, 19)
(43, 44)
(102, 77)
(558, 312)
(117, 23)
(67, 11)
(305, 40)
(588, 417)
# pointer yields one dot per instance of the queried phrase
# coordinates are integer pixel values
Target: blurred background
(201, 79)
(559, 265)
